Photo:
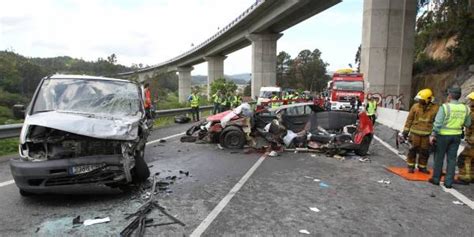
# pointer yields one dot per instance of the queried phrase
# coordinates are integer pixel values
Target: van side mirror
(19, 111)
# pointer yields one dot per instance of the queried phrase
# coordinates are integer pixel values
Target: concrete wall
(215, 70)
(387, 49)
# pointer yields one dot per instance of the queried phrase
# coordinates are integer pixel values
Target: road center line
(6, 183)
(452, 191)
(223, 203)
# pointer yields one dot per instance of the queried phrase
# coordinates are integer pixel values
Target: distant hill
(239, 79)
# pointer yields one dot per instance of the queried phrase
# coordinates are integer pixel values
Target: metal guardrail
(11, 130)
(14, 130)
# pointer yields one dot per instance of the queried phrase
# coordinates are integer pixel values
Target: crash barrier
(13, 130)
(392, 118)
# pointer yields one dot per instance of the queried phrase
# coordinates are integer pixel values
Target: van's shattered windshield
(88, 96)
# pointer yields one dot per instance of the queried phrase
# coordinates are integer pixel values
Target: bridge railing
(205, 42)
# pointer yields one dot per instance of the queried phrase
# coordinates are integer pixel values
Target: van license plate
(82, 169)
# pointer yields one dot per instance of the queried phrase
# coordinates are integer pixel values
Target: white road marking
(223, 203)
(390, 148)
(452, 191)
(165, 138)
(6, 183)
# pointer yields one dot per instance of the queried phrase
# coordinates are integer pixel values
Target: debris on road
(339, 157)
(316, 180)
(323, 185)
(315, 209)
(184, 172)
(308, 177)
(365, 159)
(384, 181)
(458, 203)
(220, 147)
(96, 221)
(162, 140)
(140, 222)
(273, 154)
(77, 221)
(306, 232)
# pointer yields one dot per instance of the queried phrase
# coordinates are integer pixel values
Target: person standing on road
(371, 109)
(147, 104)
(419, 125)
(447, 131)
(466, 158)
(194, 99)
(359, 103)
(216, 102)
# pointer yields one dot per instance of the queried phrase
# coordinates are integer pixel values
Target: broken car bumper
(45, 176)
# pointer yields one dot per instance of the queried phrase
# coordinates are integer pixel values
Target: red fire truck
(345, 86)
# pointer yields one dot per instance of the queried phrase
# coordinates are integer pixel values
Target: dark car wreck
(300, 125)
(82, 130)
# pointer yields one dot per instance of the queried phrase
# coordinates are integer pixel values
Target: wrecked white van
(82, 130)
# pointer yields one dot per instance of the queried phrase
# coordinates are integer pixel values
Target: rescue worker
(274, 98)
(223, 103)
(147, 104)
(466, 158)
(234, 101)
(419, 125)
(216, 97)
(447, 130)
(194, 99)
(371, 109)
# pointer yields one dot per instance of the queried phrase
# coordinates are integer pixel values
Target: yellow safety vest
(194, 100)
(371, 108)
(215, 98)
(455, 115)
(275, 104)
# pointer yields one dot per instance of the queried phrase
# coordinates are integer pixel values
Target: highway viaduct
(387, 45)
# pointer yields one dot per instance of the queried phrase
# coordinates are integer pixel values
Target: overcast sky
(152, 31)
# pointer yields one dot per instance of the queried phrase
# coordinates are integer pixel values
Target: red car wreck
(300, 125)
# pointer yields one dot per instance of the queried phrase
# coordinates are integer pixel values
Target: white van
(266, 93)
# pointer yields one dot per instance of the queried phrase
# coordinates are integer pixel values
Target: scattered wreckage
(299, 125)
(82, 130)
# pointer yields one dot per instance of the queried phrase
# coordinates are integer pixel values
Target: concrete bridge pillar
(184, 83)
(388, 42)
(215, 70)
(264, 60)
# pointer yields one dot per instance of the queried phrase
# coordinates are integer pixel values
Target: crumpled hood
(124, 128)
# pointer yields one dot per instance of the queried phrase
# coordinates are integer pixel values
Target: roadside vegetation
(8, 146)
(448, 20)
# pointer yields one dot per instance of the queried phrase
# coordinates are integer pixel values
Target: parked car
(336, 130)
(82, 130)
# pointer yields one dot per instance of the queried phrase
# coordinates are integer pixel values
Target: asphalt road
(273, 200)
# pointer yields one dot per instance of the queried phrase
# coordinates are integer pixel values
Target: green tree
(283, 66)
(223, 85)
(309, 71)
(248, 89)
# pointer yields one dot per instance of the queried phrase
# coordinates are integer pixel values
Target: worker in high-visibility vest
(466, 158)
(371, 109)
(419, 125)
(447, 131)
(224, 101)
(216, 97)
(194, 100)
(275, 104)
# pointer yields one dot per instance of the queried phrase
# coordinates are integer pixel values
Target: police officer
(194, 100)
(371, 109)
(275, 104)
(216, 97)
(419, 125)
(466, 158)
(447, 130)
